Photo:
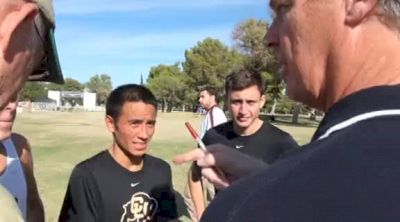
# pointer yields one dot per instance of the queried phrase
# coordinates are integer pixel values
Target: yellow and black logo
(141, 208)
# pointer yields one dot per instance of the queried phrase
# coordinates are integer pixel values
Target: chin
(243, 125)
(137, 153)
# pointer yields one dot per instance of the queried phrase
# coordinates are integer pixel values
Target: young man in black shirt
(246, 132)
(123, 183)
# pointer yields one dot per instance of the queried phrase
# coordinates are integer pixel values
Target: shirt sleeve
(166, 199)
(81, 202)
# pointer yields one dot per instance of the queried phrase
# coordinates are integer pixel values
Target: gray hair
(391, 10)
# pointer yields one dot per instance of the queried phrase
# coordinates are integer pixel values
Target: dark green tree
(208, 63)
(168, 85)
(156, 71)
(249, 38)
(69, 85)
(101, 85)
(33, 91)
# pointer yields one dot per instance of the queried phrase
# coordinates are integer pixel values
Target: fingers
(191, 156)
(217, 180)
(208, 160)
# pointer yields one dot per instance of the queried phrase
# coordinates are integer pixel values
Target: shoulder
(19, 139)
(21, 143)
(268, 127)
(88, 165)
(216, 111)
(221, 129)
(278, 136)
(23, 149)
(155, 162)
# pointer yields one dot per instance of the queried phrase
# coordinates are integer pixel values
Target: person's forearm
(196, 191)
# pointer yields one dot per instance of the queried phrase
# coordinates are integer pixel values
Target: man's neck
(5, 133)
(253, 128)
(127, 161)
(373, 61)
(211, 106)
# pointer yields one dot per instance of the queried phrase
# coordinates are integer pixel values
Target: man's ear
(357, 10)
(263, 100)
(110, 123)
(14, 19)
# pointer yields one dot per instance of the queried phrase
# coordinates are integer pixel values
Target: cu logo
(141, 208)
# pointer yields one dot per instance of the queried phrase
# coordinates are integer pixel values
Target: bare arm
(35, 211)
(196, 190)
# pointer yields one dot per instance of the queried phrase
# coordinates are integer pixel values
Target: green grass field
(60, 140)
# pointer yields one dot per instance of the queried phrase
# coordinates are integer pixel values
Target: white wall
(89, 101)
(55, 95)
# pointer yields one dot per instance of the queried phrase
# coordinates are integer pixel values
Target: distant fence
(43, 106)
(50, 106)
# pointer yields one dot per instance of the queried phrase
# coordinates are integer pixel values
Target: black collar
(367, 100)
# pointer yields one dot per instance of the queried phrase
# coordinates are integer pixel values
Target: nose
(242, 108)
(271, 38)
(144, 132)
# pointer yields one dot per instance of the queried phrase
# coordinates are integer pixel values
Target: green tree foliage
(33, 91)
(161, 69)
(69, 85)
(208, 63)
(167, 84)
(72, 85)
(101, 85)
(249, 39)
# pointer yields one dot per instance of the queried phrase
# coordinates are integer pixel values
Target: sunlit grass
(62, 139)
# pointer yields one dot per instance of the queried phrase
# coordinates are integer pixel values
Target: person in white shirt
(193, 194)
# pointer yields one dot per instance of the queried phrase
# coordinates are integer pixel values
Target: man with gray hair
(27, 51)
(341, 57)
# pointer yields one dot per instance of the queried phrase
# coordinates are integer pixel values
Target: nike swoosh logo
(134, 184)
(239, 146)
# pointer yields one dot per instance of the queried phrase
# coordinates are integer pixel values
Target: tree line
(99, 84)
(210, 61)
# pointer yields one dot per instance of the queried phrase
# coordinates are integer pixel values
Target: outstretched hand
(221, 165)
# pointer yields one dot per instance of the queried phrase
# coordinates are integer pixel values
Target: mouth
(140, 146)
(242, 119)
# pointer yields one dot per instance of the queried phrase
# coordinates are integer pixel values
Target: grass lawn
(62, 139)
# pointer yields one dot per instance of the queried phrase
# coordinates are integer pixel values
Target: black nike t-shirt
(268, 143)
(101, 190)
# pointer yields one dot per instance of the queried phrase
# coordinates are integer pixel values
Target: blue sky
(124, 38)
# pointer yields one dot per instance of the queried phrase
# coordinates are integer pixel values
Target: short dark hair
(128, 93)
(243, 79)
(210, 90)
